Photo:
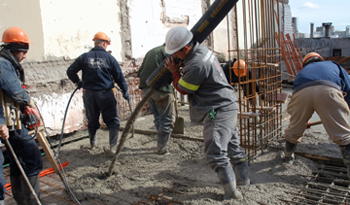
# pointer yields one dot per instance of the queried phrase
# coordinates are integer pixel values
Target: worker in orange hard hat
(311, 57)
(240, 68)
(99, 72)
(320, 87)
(100, 36)
(12, 52)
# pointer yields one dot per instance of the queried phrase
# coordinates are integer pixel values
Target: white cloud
(309, 5)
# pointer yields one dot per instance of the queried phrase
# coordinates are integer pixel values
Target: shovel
(179, 121)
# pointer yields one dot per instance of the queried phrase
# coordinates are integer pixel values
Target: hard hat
(241, 67)
(177, 38)
(101, 36)
(15, 35)
(311, 55)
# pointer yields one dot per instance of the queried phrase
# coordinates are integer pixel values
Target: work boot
(227, 178)
(16, 187)
(27, 193)
(289, 152)
(162, 143)
(345, 152)
(113, 138)
(92, 136)
(242, 173)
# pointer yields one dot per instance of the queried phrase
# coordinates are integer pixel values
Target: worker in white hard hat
(213, 102)
(322, 87)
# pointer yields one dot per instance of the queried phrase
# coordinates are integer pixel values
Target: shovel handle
(309, 124)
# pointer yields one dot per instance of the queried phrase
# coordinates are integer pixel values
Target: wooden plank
(296, 59)
(46, 147)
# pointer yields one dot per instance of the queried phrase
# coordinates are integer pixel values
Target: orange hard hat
(15, 35)
(101, 36)
(310, 55)
(241, 66)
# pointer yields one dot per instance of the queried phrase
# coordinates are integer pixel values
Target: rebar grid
(260, 111)
(328, 185)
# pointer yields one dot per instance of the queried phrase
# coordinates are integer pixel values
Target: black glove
(79, 84)
(126, 96)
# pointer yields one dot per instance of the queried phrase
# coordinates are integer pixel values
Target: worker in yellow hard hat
(322, 87)
(12, 52)
(213, 102)
(100, 70)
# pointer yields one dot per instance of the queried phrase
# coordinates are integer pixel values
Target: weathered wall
(27, 15)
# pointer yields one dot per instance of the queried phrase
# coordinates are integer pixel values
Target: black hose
(64, 120)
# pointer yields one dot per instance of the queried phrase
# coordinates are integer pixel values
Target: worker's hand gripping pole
(206, 24)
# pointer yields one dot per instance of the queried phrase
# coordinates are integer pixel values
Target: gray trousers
(221, 140)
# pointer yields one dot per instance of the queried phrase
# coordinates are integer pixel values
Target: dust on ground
(140, 172)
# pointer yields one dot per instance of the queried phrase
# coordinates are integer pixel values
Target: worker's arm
(4, 132)
(10, 83)
(174, 69)
(118, 77)
(345, 83)
(73, 69)
(176, 78)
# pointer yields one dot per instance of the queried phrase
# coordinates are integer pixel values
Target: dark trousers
(103, 102)
(27, 153)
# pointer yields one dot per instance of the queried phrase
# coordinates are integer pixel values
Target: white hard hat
(177, 38)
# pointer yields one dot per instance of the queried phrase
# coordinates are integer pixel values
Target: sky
(319, 11)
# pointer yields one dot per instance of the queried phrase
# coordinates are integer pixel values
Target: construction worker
(4, 134)
(240, 70)
(322, 87)
(13, 52)
(161, 101)
(212, 101)
(99, 72)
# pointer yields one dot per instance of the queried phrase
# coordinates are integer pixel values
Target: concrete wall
(69, 26)
(27, 15)
(343, 44)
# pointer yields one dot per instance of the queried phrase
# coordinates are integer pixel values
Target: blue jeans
(102, 101)
(221, 139)
(162, 107)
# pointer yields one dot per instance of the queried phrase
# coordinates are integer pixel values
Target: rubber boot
(227, 178)
(289, 152)
(345, 152)
(162, 144)
(27, 194)
(242, 173)
(92, 136)
(113, 138)
(16, 187)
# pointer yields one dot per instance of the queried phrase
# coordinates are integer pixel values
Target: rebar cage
(259, 91)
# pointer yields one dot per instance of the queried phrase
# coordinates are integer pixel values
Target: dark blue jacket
(324, 73)
(10, 83)
(98, 68)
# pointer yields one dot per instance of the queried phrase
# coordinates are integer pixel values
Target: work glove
(126, 96)
(32, 103)
(79, 84)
